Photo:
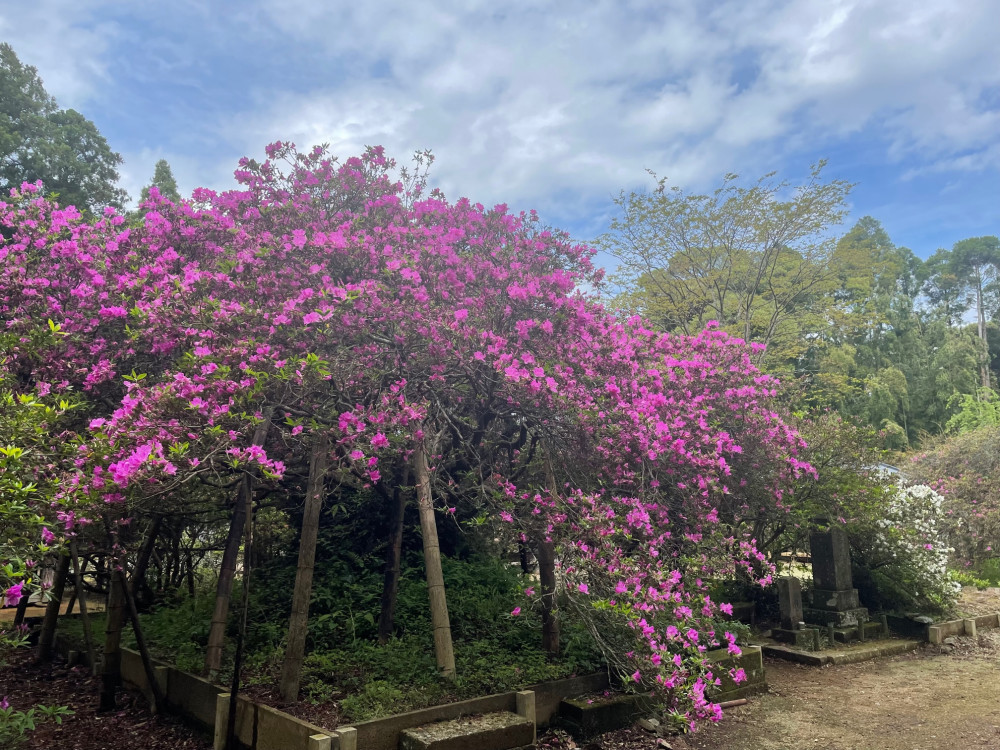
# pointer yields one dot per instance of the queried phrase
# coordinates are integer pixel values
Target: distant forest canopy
(860, 325)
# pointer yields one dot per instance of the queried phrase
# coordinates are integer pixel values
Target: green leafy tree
(163, 179)
(60, 147)
(974, 261)
(943, 289)
(755, 258)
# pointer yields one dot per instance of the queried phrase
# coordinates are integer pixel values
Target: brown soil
(26, 685)
(925, 700)
(974, 602)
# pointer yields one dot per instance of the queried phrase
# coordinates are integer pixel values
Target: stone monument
(790, 609)
(790, 602)
(834, 598)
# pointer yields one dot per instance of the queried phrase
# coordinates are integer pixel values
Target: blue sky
(553, 105)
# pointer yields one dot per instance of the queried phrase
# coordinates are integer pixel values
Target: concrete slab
(497, 731)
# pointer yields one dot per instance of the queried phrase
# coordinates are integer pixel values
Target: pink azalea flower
(13, 595)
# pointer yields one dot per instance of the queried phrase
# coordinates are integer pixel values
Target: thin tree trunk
(298, 623)
(140, 642)
(111, 673)
(234, 686)
(145, 555)
(190, 574)
(48, 635)
(21, 611)
(547, 575)
(88, 633)
(984, 367)
(522, 556)
(227, 572)
(72, 598)
(390, 588)
(443, 649)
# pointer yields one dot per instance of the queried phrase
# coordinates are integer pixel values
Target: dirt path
(924, 700)
(38, 610)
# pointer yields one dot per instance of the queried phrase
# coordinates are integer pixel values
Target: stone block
(846, 618)
(935, 634)
(835, 600)
(831, 559)
(526, 706)
(348, 738)
(988, 621)
(800, 638)
(790, 601)
(192, 697)
(496, 731)
(277, 730)
(320, 742)
(246, 721)
(585, 720)
(970, 628)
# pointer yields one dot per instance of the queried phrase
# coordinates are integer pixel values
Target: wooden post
(298, 623)
(443, 648)
(140, 641)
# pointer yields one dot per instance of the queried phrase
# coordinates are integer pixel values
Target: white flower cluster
(913, 534)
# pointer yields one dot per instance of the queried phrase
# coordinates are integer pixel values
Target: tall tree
(748, 257)
(163, 180)
(975, 261)
(60, 147)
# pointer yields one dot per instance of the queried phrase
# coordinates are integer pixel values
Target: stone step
(585, 718)
(497, 731)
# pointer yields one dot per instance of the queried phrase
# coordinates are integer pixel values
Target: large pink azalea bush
(345, 305)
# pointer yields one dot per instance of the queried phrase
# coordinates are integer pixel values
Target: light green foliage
(60, 147)
(981, 409)
(16, 725)
(755, 258)
(29, 452)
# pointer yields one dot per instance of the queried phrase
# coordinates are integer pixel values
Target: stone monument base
(835, 600)
(838, 618)
(803, 638)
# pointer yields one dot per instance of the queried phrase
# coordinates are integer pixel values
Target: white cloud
(552, 104)
(538, 99)
(67, 42)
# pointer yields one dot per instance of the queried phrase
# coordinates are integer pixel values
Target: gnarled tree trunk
(298, 623)
(443, 649)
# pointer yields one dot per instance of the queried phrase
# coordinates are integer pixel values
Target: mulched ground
(26, 684)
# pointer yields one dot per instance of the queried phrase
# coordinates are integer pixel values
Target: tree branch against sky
(755, 258)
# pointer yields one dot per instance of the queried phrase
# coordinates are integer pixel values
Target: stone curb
(875, 651)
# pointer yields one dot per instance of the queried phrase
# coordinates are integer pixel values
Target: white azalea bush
(902, 561)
